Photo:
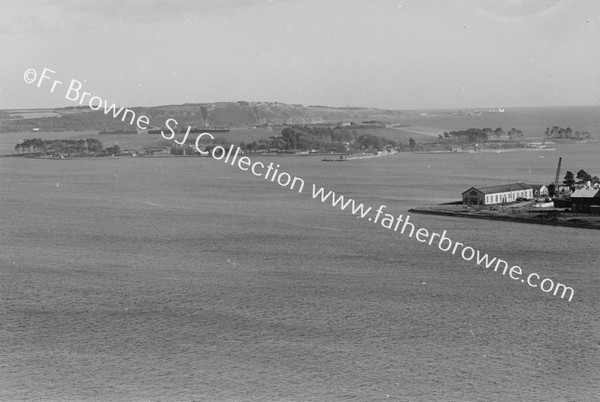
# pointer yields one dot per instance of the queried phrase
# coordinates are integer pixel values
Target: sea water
(189, 279)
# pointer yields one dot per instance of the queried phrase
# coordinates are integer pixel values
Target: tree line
(478, 135)
(570, 180)
(323, 138)
(81, 146)
(582, 176)
(565, 133)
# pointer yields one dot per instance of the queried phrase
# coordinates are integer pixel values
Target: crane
(557, 173)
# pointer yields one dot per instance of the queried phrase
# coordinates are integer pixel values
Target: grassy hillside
(230, 114)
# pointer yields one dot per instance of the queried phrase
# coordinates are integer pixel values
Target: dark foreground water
(187, 279)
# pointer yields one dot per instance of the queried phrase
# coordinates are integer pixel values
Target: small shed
(585, 199)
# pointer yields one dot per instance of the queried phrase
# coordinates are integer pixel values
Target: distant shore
(37, 155)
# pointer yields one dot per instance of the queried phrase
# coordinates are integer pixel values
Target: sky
(391, 54)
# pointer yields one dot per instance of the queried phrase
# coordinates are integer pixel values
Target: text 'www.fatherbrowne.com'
(403, 225)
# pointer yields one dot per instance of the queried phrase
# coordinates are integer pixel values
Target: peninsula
(573, 204)
(524, 213)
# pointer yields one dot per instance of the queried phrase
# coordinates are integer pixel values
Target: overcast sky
(395, 54)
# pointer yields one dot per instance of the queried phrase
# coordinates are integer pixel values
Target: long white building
(499, 194)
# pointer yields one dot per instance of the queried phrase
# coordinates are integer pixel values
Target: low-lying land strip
(523, 213)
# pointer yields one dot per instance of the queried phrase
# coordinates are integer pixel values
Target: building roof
(501, 188)
(586, 193)
(537, 186)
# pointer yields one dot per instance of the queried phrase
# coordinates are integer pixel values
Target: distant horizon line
(316, 105)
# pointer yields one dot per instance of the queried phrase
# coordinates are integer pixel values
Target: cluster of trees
(36, 143)
(570, 180)
(370, 142)
(470, 136)
(114, 150)
(582, 176)
(515, 134)
(478, 135)
(253, 146)
(87, 146)
(306, 137)
(565, 133)
(323, 138)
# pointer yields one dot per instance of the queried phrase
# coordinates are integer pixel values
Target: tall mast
(557, 173)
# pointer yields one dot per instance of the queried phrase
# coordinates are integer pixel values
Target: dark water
(531, 120)
(187, 279)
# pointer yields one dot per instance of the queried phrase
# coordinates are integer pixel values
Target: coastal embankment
(520, 215)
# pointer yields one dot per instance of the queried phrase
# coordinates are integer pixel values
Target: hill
(229, 114)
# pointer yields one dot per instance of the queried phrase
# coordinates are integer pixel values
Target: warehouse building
(500, 194)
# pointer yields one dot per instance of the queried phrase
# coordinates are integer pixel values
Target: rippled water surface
(188, 279)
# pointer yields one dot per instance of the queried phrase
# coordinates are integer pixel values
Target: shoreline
(580, 225)
(150, 156)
